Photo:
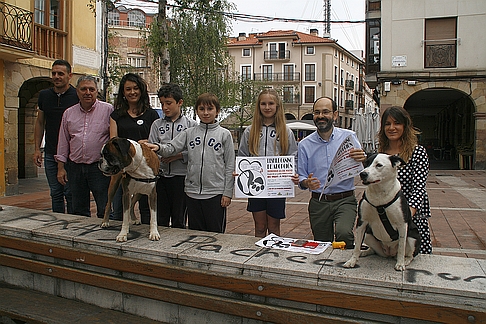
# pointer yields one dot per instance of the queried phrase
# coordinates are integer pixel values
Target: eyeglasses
(322, 112)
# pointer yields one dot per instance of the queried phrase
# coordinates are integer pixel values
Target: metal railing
(15, 26)
(440, 56)
(276, 55)
(278, 77)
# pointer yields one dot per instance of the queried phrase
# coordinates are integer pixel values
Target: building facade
(303, 67)
(34, 33)
(128, 28)
(429, 57)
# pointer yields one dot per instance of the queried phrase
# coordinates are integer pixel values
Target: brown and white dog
(136, 166)
(384, 217)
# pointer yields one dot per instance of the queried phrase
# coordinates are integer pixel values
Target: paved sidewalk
(458, 202)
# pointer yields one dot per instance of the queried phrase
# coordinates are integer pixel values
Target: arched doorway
(27, 114)
(445, 118)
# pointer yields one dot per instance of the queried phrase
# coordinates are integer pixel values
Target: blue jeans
(83, 179)
(58, 192)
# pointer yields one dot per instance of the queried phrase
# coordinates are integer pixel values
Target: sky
(350, 36)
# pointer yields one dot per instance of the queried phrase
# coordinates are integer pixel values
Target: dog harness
(384, 219)
(143, 180)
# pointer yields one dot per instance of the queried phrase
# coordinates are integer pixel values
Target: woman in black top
(132, 119)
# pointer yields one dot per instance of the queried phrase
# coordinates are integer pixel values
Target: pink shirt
(83, 133)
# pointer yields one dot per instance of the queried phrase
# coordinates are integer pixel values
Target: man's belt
(332, 197)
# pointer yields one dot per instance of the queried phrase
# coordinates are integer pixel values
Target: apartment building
(303, 67)
(34, 33)
(128, 27)
(429, 57)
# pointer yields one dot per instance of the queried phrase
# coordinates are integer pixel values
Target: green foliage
(199, 61)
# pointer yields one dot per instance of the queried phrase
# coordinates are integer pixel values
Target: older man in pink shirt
(85, 127)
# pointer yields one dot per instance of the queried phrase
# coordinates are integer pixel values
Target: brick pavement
(458, 202)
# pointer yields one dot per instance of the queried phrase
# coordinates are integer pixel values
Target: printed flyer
(264, 177)
(343, 166)
(273, 241)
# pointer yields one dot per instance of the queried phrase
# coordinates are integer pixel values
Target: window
(47, 12)
(335, 95)
(277, 51)
(342, 77)
(246, 72)
(310, 94)
(267, 72)
(309, 50)
(440, 42)
(310, 72)
(335, 74)
(341, 99)
(136, 18)
(288, 72)
(114, 18)
(137, 60)
(246, 52)
(288, 94)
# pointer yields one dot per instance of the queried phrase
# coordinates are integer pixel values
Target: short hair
(87, 78)
(208, 99)
(333, 103)
(170, 90)
(64, 63)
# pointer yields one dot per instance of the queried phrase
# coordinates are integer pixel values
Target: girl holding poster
(268, 135)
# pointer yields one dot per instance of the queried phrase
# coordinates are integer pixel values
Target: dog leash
(384, 219)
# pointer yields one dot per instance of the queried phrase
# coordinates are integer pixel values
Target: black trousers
(206, 214)
(171, 202)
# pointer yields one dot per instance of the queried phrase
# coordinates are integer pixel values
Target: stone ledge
(217, 274)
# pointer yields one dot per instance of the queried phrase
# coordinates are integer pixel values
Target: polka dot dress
(413, 178)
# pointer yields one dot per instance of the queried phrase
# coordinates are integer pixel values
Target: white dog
(384, 217)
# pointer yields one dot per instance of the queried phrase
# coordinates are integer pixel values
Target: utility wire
(251, 18)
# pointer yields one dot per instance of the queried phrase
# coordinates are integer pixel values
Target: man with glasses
(332, 213)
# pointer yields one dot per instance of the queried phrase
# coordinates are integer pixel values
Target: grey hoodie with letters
(211, 158)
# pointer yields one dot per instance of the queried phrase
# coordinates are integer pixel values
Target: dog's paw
(350, 263)
(154, 236)
(105, 224)
(400, 267)
(121, 238)
(136, 222)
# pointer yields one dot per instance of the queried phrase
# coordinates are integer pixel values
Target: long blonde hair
(280, 125)
(409, 137)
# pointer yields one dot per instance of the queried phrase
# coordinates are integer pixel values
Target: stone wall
(194, 277)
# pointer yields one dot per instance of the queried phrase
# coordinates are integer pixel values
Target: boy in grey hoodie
(171, 201)
(211, 162)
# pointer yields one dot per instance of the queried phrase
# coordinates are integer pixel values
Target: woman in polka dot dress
(398, 137)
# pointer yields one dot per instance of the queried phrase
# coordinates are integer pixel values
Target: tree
(199, 61)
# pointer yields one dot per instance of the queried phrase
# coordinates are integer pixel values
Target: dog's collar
(143, 180)
(382, 213)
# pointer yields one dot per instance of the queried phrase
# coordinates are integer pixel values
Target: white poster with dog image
(264, 177)
(343, 166)
(273, 241)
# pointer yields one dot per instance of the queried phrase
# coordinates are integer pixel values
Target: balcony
(276, 55)
(440, 53)
(348, 105)
(113, 23)
(49, 42)
(277, 77)
(15, 32)
(349, 85)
